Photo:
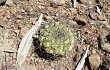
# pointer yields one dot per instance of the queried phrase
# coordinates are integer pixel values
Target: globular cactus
(56, 38)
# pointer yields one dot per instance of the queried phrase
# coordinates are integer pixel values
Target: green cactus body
(56, 38)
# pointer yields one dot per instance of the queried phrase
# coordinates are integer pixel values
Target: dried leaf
(82, 61)
(26, 42)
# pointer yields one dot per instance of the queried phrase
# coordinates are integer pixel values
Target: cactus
(56, 38)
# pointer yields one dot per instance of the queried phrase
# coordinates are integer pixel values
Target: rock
(22, 10)
(10, 50)
(33, 20)
(17, 32)
(1, 37)
(47, 17)
(16, 1)
(10, 39)
(60, 2)
(32, 2)
(19, 16)
(93, 51)
(2, 10)
(23, 31)
(27, 8)
(92, 15)
(2, 1)
(87, 1)
(94, 61)
(8, 16)
(106, 47)
(19, 22)
(2, 22)
(72, 23)
(73, 10)
(27, 67)
(81, 21)
(101, 17)
(9, 2)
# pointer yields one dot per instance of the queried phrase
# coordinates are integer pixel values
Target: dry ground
(89, 27)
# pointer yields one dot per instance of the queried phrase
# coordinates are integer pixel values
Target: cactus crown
(56, 38)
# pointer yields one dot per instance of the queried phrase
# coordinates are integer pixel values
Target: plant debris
(26, 42)
(82, 60)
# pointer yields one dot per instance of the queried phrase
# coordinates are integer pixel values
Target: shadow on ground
(41, 52)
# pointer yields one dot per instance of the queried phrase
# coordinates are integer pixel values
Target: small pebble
(94, 61)
(92, 16)
(106, 47)
(9, 3)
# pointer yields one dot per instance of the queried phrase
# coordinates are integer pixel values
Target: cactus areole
(56, 38)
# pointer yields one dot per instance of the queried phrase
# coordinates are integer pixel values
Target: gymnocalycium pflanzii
(56, 38)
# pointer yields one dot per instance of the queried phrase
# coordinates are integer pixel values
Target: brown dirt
(84, 21)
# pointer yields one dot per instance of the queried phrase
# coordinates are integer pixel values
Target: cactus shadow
(2, 4)
(41, 52)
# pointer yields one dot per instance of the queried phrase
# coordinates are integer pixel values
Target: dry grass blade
(82, 61)
(98, 10)
(26, 42)
(75, 3)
